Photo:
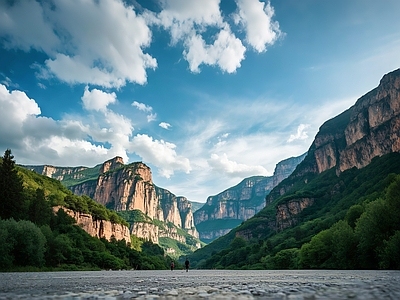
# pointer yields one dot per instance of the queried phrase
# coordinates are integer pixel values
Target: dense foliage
(353, 224)
(34, 238)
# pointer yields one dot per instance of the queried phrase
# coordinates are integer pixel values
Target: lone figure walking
(187, 264)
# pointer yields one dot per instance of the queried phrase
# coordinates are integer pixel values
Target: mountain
(339, 208)
(129, 188)
(231, 207)
(369, 129)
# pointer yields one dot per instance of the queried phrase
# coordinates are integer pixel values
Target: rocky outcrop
(240, 202)
(130, 187)
(366, 130)
(147, 231)
(286, 213)
(98, 228)
(59, 173)
(370, 128)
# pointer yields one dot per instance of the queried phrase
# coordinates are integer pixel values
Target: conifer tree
(11, 189)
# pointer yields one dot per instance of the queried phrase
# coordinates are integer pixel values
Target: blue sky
(205, 92)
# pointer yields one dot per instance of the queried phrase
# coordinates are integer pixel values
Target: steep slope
(369, 129)
(121, 187)
(231, 207)
(348, 163)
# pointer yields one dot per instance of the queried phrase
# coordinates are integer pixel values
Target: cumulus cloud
(256, 18)
(97, 100)
(226, 52)
(91, 139)
(223, 165)
(160, 153)
(93, 42)
(301, 133)
(104, 42)
(164, 125)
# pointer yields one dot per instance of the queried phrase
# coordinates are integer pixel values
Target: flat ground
(202, 284)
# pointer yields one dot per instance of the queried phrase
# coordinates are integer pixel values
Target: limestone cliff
(59, 173)
(129, 187)
(240, 202)
(98, 228)
(147, 231)
(366, 130)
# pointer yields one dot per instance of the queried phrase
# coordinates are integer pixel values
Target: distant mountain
(231, 207)
(333, 211)
(129, 189)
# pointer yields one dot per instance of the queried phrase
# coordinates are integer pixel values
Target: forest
(33, 238)
(354, 223)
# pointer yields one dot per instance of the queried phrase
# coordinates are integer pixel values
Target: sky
(204, 92)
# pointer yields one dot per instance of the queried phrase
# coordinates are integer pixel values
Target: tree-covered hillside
(353, 224)
(34, 238)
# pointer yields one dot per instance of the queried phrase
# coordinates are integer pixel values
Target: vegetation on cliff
(353, 224)
(34, 238)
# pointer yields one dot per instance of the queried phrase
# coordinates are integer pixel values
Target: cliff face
(368, 129)
(58, 173)
(240, 202)
(98, 228)
(130, 187)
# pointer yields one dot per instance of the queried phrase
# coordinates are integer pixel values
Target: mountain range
(338, 209)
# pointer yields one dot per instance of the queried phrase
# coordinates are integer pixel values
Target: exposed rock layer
(240, 202)
(98, 228)
(368, 129)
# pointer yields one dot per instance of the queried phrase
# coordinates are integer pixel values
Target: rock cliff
(240, 202)
(370, 128)
(130, 187)
(59, 173)
(98, 228)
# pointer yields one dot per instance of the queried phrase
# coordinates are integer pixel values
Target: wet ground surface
(202, 284)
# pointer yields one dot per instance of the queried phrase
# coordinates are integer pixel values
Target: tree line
(34, 238)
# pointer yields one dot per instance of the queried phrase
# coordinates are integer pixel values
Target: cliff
(98, 228)
(239, 203)
(368, 129)
(59, 173)
(129, 187)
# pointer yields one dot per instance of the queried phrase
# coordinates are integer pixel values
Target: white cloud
(92, 42)
(146, 108)
(164, 125)
(151, 117)
(142, 106)
(256, 18)
(161, 154)
(301, 133)
(226, 52)
(97, 100)
(223, 165)
(188, 19)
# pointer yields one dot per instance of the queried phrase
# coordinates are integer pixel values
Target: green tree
(39, 209)
(12, 203)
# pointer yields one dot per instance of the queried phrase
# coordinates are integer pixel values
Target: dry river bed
(202, 284)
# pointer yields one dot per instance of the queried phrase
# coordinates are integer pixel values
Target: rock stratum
(98, 228)
(225, 211)
(129, 187)
(368, 129)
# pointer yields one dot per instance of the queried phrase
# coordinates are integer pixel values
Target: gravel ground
(202, 284)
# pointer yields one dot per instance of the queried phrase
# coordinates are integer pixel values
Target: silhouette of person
(172, 265)
(187, 264)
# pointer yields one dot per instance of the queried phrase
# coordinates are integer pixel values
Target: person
(187, 264)
(172, 265)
